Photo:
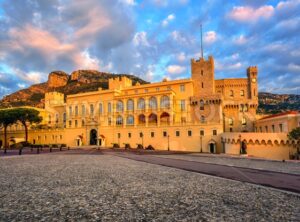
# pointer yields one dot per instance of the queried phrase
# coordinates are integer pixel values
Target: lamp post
(200, 143)
(142, 136)
(168, 142)
(240, 137)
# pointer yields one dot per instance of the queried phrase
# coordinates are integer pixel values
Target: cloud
(167, 20)
(175, 69)
(248, 14)
(210, 37)
(140, 38)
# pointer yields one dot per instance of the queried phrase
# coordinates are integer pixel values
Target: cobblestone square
(71, 186)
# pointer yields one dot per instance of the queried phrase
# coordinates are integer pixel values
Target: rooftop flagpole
(201, 42)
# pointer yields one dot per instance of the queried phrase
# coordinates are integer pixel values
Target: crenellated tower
(203, 75)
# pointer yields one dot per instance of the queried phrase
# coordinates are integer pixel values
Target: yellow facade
(187, 114)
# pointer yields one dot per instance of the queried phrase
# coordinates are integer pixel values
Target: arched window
(201, 104)
(244, 121)
(230, 121)
(130, 105)
(241, 107)
(130, 120)
(76, 110)
(231, 93)
(120, 106)
(56, 117)
(142, 119)
(119, 121)
(152, 103)
(92, 109)
(165, 118)
(152, 119)
(165, 102)
(141, 104)
(202, 119)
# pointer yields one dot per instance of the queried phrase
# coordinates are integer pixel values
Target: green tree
(27, 116)
(295, 135)
(7, 118)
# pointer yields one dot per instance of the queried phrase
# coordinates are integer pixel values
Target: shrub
(116, 145)
(140, 146)
(150, 147)
(127, 146)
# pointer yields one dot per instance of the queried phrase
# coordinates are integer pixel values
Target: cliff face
(57, 79)
(79, 81)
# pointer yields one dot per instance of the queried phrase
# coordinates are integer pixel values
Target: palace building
(187, 114)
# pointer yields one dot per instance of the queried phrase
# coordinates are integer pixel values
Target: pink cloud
(249, 14)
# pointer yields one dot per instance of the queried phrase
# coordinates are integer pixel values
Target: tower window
(202, 85)
(201, 72)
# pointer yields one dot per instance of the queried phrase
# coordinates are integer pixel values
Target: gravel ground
(70, 187)
(277, 166)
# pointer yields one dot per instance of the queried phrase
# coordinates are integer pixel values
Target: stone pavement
(88, 186)
(284, 181)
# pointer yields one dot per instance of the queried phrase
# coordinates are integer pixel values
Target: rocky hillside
(275, 103)
(78, 81)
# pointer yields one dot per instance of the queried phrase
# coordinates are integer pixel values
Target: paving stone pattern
(70, 186)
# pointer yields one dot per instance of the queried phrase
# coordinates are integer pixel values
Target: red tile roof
(281, 114)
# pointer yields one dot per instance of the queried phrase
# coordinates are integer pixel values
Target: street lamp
(168, 142)
(200, 143)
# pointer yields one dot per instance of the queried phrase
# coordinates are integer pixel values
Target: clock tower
(252, 72)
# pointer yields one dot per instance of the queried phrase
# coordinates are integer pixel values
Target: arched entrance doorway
(93, 137)
(212, 146)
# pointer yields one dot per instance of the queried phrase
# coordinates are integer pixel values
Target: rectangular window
(201, 132)
(92, 109)
(152, 134)
(280, 128)
(165, 133)
(109, 121)
(119, 135)
(182, 105)
(230, 129)
(70, 110)
(70, 123)
(129, 135)
(214, 132)
(242, 93)
(260, 129)
(76, 123)
(202, 85)
(83, 110)
(109, 107)
(76, 110)
(182, 88)
(177, 133)
(190, 133)
(266, 127)
(141, 134)
(60, 137)
(100, 108)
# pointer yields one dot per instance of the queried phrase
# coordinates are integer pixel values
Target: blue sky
(152, 39)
